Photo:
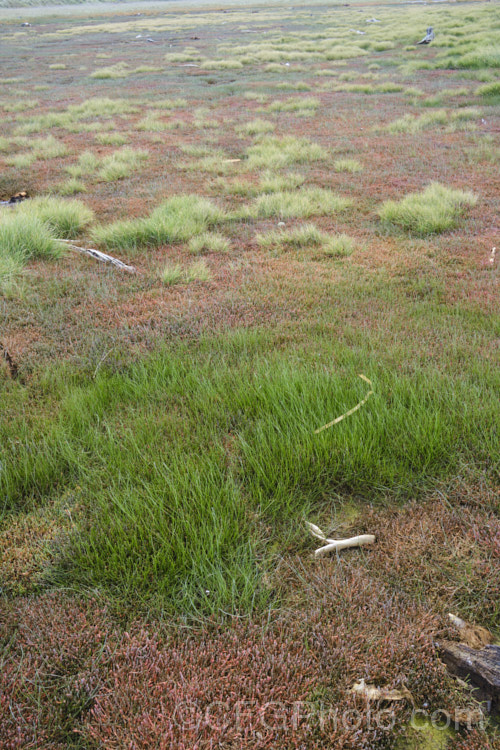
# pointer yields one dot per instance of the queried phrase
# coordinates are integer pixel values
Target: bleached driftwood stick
(100, 256)
(334, 545)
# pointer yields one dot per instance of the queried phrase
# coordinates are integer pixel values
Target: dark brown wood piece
(12, 367)
(480, 666)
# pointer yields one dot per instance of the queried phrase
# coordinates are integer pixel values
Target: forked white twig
(335, 545)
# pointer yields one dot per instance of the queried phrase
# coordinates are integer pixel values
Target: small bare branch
(100, 256)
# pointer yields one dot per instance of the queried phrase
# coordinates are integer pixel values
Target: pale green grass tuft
(71, 187)
(66, 219)
(256, 127)
(87, 164)
(307, 235)
(280, 152)
(121, 164)
(153, 123)
(489, 90)
(170, 103)
(212, 242)
(301, 106)
(171, 274)
(229, 64)
(339, 245)
(24, 236)
(436, 209)
(309, 201)
(57, 66)
(275, 183)
(111, 139)
(175, 274)
(11, 268)
(176, 220)
(348, 165)
(21, 106)
(198, 272)
(410, 124)
(120, 70)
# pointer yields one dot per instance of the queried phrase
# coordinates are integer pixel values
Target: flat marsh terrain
(306, 195)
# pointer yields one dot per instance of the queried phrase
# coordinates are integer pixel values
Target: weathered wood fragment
(98, 255)
(481, 667)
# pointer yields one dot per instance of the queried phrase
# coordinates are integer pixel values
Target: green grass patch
(209, 242)
(302, 203)
(275, 183)
(195, 467)
(436, 209)
(73, 186)
(280, 152)
(489, 90)
(340, 245)
(120, 70)
(121, 163)
(175, 220)
(111, 139)
(348, 165)
(256, 127)
(66, 219)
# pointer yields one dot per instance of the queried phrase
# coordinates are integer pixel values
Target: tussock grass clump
(175, 274)
(111, 139)
(302, 106)
(66, 219)
(275, 183)
(436, 209)
(280, 152)
(121, 164)
(300, 203)
(256, 127)
(481, 57)
(198, 272)
(71, 187)
(307, 235)
(410, 124)
(489, 90)
(48, 148)
(367, 88)
(102, 107)
(340, 245)
(348, 165)
(176, 220)
(21, 106)
(229, 64)
(211, 242)
(153, 123)
(120, 70)
(171, 103)
(343, 52)
(41, 148)
(215, 162)
(171, 274)
(87, 164)
(23, 236)
(11, 267)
